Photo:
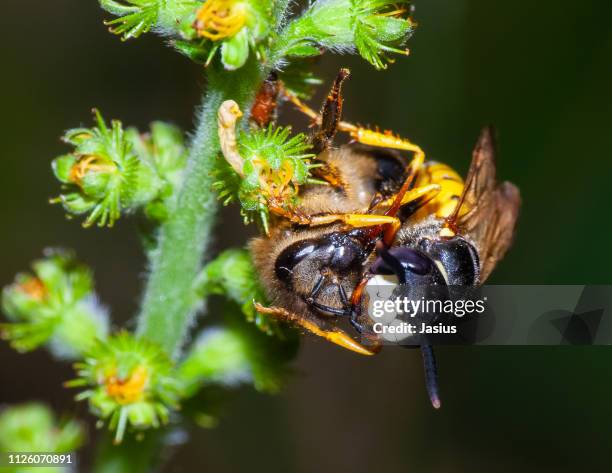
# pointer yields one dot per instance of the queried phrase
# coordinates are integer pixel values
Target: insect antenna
(431, 375)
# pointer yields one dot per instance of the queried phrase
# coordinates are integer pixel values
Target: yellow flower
(129, 389)
(219, 19)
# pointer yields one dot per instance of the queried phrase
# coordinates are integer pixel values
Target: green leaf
(302, 50)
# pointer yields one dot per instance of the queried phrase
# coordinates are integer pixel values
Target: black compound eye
(335, 251)
(409, 265)
(291, 256)
(400, 259)
(411, 260)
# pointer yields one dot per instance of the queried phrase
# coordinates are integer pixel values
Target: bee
(381, 213)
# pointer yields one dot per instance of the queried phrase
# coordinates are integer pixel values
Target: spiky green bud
(374, 28)
(199, 28)
(264, 167)
(129, 383)
(114, 171)
(56, 305)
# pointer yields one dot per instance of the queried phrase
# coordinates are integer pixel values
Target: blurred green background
(541, 72)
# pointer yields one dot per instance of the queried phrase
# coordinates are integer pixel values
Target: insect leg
(355, 303)
(334, 335)
(355, 220)
(431, 375)
(381, 139)
(330, 123)
(331, 113)
(293, 215)
(412, 170)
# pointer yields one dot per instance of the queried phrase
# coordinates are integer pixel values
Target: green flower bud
(55, 305)
(269, 164)
(372, 27)
(235, 26)
(113, 170)
(129, 383)
(33, 428)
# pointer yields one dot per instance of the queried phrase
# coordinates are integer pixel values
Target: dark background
(540, 71)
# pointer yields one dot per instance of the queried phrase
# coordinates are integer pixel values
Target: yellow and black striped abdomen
(451, 184)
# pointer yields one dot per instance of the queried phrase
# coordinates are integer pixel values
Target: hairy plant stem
(168, 307)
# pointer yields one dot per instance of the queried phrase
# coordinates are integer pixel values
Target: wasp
(384, 210)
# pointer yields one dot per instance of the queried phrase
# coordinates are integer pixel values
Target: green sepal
(235, 50)
(62, 166)
(95, 185)
(75, 203)
(198, 51)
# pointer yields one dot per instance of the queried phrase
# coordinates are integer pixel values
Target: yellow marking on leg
(335, 335)
(379, 139)
(354, 220)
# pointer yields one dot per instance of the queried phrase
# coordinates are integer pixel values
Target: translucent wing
(492, 208)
